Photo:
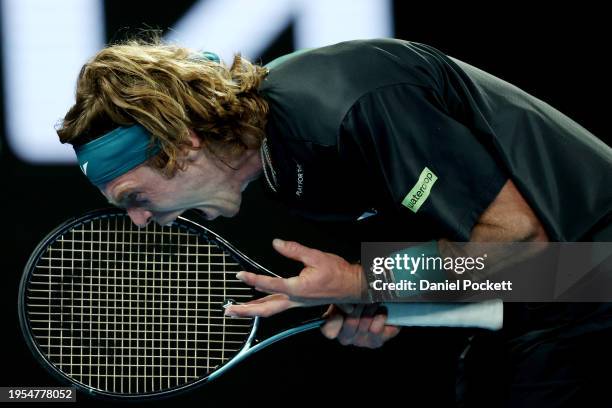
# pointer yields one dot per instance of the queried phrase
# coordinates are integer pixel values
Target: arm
(472, 201)
(508, 218)
(329, 279)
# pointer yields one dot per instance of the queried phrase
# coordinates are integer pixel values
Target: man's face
(205, 185)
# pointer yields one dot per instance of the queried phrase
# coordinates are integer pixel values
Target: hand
(358, 326)
(326, 278)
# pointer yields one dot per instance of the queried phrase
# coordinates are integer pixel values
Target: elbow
(534, 235)
(514, 228)
(531, 230)
(539, 234)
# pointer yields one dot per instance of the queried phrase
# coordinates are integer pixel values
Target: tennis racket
(126, 312)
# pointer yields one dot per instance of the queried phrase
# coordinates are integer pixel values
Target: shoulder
(311, 92)
(359, 58)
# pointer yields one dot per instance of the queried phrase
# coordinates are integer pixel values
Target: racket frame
(250, 346)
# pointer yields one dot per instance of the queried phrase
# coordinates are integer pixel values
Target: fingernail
(240, 275)
(229, 313)
(278, 242)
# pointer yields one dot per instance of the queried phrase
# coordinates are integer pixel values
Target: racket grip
(488, 314)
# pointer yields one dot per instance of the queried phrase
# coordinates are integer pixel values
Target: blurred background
(557, 55)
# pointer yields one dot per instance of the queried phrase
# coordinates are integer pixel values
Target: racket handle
(485, 315)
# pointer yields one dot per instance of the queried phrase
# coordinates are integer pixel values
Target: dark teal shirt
(364, 125)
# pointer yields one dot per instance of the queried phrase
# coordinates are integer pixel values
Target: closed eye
(138, 199)
(131, 200)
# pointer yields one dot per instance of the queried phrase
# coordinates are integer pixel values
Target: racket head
(57, 304)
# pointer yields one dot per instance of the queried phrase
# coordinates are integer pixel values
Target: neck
(249, 167)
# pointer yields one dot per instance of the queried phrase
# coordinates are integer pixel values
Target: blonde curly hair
(169, 90)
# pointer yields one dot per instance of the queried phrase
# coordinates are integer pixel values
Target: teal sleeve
(415, 263)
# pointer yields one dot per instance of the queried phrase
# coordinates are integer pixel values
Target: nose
(139, 216)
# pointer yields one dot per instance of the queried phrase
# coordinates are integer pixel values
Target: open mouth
(202, 213)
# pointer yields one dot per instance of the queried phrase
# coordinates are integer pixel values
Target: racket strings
(135, 311)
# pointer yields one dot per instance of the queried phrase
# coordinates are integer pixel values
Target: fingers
(330, 310)
(333, 323)
(264, 307)
(351, 325)
(390, 332)
(296, 251)
(268, 284)
(331, 280)
(346, 308)
(372, 341)
(362, 327)
(378, 324)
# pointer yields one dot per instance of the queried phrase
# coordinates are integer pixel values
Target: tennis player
(359, 129)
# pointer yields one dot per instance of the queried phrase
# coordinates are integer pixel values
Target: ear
(196, 142)
(190, 153)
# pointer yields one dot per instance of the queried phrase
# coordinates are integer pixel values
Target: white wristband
(485, 315)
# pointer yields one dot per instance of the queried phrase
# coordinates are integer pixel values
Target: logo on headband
(84, 167)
